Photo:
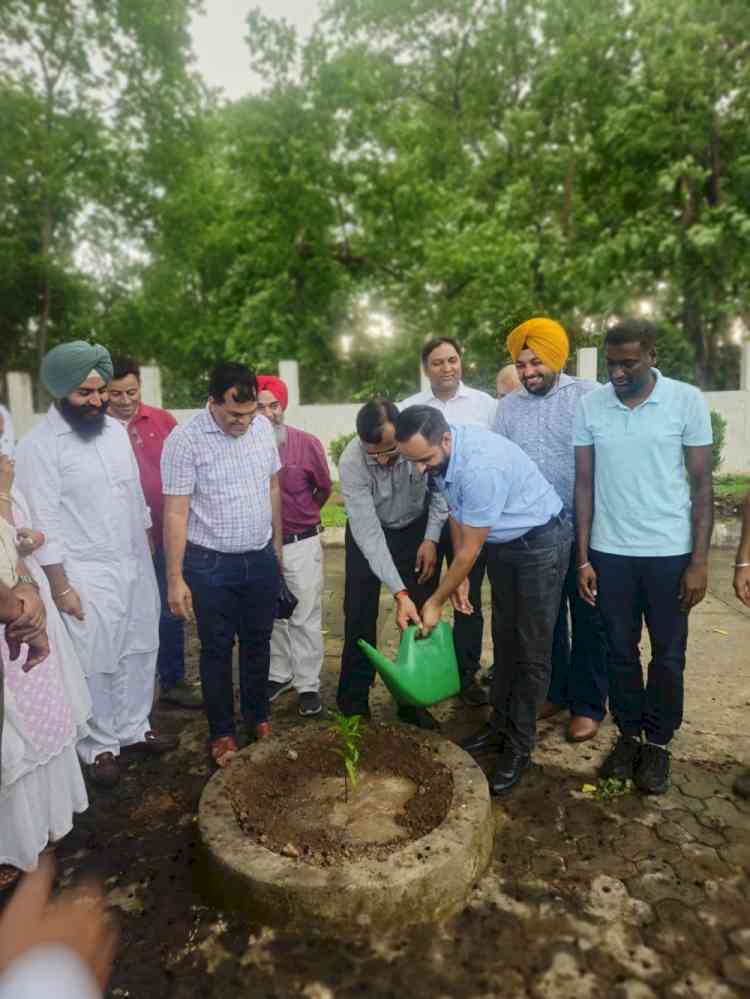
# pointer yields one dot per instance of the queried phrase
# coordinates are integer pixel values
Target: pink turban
(274, 385)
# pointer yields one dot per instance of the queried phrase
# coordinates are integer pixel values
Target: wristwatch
(28, 581)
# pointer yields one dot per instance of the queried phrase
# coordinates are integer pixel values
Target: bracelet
(741, 565)
(582, 566)
(401, 593)
(28, 581)
(63, 593)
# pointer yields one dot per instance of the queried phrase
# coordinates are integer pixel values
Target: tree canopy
(410, 168)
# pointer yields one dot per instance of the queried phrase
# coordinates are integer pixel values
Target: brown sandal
(223, 750)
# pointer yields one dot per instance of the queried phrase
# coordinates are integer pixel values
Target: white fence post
(745, 367)
(289, 373)
(587, 363)
(151, 385)
(20, 401)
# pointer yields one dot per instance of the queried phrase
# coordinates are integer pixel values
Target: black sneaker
(420, 717)
(623, 759)
(276, 688)
(473, 695)
(309, 704)
(652, 769)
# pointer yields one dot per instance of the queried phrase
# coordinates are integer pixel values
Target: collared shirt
(227, 479)
(542, 426)
(641, 490)
(84, 493)
(391, 496)
(469, 406)
(491, 482)
(148, 430)
(305, 481)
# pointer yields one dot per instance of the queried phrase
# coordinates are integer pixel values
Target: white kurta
(86, 496)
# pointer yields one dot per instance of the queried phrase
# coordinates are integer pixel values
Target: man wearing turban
(297, 643)
(539, 417)
(79, 474)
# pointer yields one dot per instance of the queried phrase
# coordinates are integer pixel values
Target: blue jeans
(579, 666)
(234, 596)
(632, 589)
(170, 664)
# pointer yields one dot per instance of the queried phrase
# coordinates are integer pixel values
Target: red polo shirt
(148, 430)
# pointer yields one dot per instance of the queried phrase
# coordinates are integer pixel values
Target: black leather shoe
(473, 695)
(420, 717)
(486, 740)
(509, 770)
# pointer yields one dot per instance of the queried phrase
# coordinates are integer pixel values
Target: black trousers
(526, 577)
(631, 589)
(361, 605)
(467, 628)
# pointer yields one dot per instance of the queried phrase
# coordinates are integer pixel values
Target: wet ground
(629, 897)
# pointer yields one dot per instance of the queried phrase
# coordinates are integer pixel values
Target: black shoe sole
(280, 693)
(499, 792)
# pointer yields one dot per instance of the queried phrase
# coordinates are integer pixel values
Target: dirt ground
(630, 897)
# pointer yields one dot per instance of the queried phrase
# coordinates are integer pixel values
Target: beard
(279, 431)
(85, 421)
(440, 469)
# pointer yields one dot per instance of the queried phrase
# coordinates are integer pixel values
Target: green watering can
(425, 671)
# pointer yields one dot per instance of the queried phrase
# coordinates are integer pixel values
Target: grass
(333, 513)
(731, 485)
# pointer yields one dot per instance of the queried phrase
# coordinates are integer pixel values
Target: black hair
(123, 366)
(231, 375)
(437, 341)
(424, 420)
(373, 417)
(632, 331)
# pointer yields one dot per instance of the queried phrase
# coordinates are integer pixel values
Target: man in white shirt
(79, 474)
(442, 363)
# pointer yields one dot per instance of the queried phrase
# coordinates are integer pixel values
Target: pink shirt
(148, 430)
(305, 481)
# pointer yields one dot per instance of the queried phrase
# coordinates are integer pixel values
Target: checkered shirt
(227, 480)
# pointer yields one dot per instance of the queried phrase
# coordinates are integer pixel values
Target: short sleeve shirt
(641, 490)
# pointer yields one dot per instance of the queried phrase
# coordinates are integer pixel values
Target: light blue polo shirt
(641, 489)
(491, 482)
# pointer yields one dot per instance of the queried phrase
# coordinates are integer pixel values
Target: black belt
(289, 539)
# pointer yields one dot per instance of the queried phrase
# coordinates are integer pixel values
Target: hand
(426, 561)
(7, 473)
(460, 598)
(180, 599)
(28, 541)
(77, 921)
(406, 612)
(431, 614)
(587, 584)
(33, 618)
(70, 603)
(37, 649)
(693, 586)
(742, 584)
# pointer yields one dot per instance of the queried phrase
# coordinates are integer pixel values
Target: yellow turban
(545, 337)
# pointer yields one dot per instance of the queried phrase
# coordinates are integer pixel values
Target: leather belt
(289, 539)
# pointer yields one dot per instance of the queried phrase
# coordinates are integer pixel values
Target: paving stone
(704, 861)
(694, 805)
(737, 854)
(632, 989)
(697, 783)
(608, 900)
(633, 840)
(567, 978)
(673, 832)
(548, 864)
(656, 885)
(704, 832)
(741, 939)
(700, 985)
(726, 813)
(736, 968)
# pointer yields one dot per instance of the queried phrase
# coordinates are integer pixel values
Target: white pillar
(587, 363)
(424, 381)
(745, 367)
(289, 373)
(20, 401)
(151, 385)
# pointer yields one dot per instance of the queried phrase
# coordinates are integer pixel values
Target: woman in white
(46, 711)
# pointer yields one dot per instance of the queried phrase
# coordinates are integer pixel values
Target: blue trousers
(234, 597)
(632, 589)
(170, 664)
(579, 660)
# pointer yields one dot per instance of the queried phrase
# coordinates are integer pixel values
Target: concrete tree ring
(423, 880)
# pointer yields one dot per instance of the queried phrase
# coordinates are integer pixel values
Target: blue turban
(67, 366)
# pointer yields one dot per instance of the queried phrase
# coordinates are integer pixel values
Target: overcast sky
(219, 39)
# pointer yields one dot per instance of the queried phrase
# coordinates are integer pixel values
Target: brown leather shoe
(549, 709)
(104, 771)
(154, 744)
(263, 730)
(582, 728)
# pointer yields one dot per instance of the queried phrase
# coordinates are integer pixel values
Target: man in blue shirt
(499, 500)
(539, 417)
(644, 510)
